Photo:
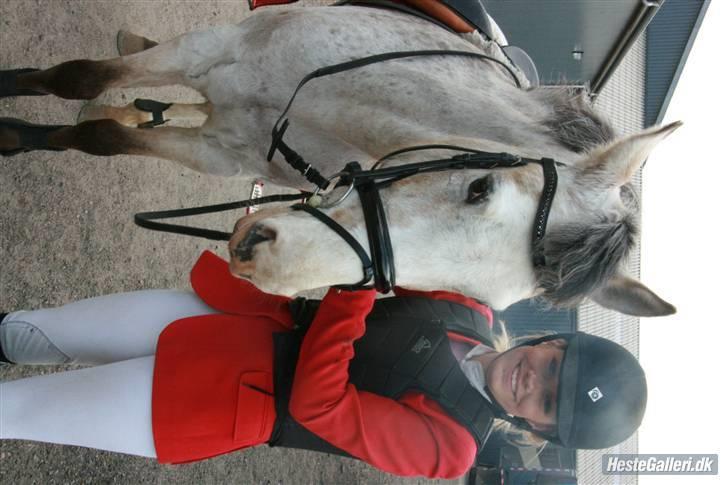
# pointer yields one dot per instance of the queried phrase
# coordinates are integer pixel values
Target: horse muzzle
(248, 234)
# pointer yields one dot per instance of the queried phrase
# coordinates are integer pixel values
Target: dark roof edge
(681, 64)
(645, 12)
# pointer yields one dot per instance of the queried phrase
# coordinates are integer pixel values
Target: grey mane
(574, 122)
(580, 258)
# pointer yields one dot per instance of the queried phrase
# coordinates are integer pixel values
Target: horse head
(470, 232)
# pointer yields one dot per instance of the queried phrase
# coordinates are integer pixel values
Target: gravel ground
(66, 230)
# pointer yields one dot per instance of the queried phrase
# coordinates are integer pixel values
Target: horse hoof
(8, 87)
(128, 43)
(10, 142)
(18, 136)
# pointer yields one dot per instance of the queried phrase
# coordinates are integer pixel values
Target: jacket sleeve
(217, 287)
(412, 436)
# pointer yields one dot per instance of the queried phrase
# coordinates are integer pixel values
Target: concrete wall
(622, 100)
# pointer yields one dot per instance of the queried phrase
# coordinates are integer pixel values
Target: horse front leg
(191, 147)
(78, 79)
(86, 79)
(184, 60)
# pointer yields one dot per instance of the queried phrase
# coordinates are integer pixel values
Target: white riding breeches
(108, 406)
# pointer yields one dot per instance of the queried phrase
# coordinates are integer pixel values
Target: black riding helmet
(602, 393)
(601, 397)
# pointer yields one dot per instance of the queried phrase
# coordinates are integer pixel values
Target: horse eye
(479, 190)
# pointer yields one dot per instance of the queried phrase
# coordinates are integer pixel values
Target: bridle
(367, 183)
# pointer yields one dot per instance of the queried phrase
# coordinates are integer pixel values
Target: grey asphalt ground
(66, 231)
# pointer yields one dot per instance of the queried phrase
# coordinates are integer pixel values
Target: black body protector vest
(404, 348)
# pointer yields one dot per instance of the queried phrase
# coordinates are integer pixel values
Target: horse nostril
(258, 233)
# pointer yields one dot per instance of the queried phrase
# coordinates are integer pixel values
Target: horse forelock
(573, 122)
(581, 257)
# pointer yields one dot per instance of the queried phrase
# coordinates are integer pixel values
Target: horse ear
(614, 165)
(629, 296)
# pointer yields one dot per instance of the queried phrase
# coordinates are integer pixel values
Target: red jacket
(213, 384)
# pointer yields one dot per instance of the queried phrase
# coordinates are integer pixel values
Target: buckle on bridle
(348, 174)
